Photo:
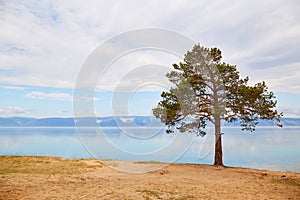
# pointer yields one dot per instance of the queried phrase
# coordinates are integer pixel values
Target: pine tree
(208, 90)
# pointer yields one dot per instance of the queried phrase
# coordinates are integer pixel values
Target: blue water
(266, 148)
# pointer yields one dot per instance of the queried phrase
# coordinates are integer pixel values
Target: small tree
(206, 90)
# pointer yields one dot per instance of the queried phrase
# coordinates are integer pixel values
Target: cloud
(45, 43)
(13, 111)
(51, 95)
(88, 99)
(138, 69)
(290, 112)
(12, 87)
(63, 112)
(282, 78)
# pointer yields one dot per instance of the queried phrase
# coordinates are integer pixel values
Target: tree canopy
(208, 90)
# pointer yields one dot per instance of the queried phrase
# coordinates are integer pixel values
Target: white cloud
(51, 95)
(88, 99)
(45, 43)
(138, 69)
(282, 78)
(13, 111)
(289, 112)
(63, 112)
(12, 87)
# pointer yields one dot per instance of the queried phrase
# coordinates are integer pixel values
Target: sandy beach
(57, 178)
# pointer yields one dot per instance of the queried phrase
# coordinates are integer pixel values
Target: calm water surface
(266, 148)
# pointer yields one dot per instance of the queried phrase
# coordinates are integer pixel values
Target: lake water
(266, 148)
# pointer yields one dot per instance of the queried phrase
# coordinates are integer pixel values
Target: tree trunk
(218, 143)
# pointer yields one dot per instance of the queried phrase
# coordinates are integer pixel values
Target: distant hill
(110, 121)
(284, 121)
(33, 122)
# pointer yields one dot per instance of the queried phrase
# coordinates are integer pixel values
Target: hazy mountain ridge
(110, 121)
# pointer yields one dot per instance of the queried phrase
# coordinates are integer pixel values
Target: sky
(44, 44)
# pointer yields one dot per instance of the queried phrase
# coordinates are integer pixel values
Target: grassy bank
(44, 165)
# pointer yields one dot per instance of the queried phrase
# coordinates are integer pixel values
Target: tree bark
(218, 143)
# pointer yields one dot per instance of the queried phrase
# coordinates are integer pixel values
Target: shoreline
(38, 177)
(157, 162)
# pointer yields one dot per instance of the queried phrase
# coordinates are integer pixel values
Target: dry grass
(42, 165)
(286, 181)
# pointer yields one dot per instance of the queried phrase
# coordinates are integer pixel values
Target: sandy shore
(57, 178)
